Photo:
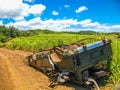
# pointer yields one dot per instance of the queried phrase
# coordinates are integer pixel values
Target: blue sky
(61, 15)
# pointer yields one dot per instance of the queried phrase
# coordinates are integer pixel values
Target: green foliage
(47, 31)
(2, 44)
(9, 32)
(60, 42)
(118, 36)
(3, 38)
(44, 41)
(12, 32)
(115, 63)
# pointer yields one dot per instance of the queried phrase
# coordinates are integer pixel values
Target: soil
(15, 74)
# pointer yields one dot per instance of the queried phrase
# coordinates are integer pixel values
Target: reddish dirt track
(15, 74)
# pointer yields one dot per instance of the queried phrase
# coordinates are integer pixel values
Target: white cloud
(17, 10)
(1, 23)
(58, 25)
(55, 13)
(81, 9)
(65, 25)
(84, 22)
(25, 24)
(11, 9)
(37, 9)
(29, 1)
(96, 26)
(25, 10)
(116, 26)
(20, 18)
(89, 23)
(66, 6)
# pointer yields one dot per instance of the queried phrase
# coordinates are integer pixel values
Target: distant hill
(47, 31)
(87, 32)
(82, 32)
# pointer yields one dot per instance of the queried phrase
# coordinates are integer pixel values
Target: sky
(61, 15)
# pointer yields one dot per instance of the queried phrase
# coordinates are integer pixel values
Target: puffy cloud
(29, 1)
(81, 9)
(58, 25)
(17, 10)
(1, 22)
(20, 18)
(55, 13)
(65, 25)
(37, 9)
(66, 6)
(96, 26)
(25, 24)
(25, 10)
(84, 22)
(115, 28)
(10, 8)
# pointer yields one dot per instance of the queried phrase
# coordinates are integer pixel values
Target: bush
(3, 38)
(118, 36)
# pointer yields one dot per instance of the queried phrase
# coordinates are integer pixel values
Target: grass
(115, 63)
(44, 41)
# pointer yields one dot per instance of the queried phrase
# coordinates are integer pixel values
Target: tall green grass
(43, 41)
(115, 63)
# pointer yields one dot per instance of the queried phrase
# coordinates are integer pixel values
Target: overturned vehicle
(75, 62)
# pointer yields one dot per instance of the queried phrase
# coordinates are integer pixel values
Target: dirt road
(15, 74)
